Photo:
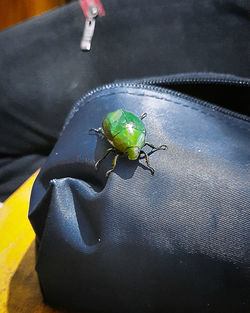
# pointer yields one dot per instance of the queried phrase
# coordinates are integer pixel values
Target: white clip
(89, 28)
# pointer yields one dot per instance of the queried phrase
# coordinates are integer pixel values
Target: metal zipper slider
(91, 9)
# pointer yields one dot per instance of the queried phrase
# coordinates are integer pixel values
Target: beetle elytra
(126, 133)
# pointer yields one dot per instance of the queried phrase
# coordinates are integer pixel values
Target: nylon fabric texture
(43, 71)
(177, 241)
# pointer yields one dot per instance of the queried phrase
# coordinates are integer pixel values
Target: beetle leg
(143, 116)
(98, 130)
(107, 152)
(113, 165)
(147, 161)
(161, 147)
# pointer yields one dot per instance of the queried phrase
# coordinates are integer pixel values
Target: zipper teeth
(141, 84)
(200, 80)
(203, 80)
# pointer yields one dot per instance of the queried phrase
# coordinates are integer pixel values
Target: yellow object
(19, 287)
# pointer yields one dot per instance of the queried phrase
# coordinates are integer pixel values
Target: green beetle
(126, 133)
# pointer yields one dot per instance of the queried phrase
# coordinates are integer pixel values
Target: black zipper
(150, 85)
(201, 79)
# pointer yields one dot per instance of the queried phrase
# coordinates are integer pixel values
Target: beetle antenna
(143, 116)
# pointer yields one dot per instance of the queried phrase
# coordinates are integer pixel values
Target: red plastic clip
(86, 4)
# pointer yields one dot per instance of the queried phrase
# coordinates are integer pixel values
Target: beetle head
(132, 153)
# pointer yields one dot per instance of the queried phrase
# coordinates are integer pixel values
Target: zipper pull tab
(89, 29)
(91, 9)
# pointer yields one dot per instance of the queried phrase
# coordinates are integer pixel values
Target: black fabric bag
(43, 71)
(176, 241)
